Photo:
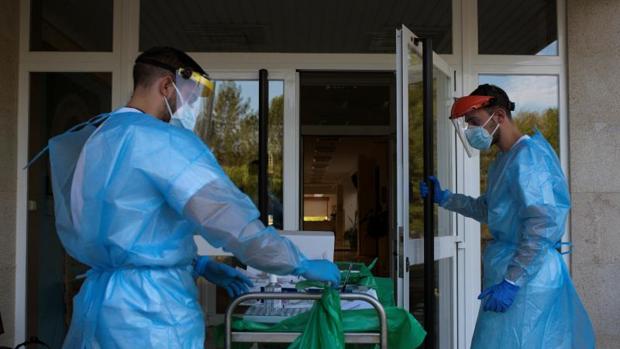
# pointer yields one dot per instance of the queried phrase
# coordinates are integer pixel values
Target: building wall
(9, 53)
(594, 118)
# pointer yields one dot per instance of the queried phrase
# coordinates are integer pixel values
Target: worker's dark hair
(161, 61)
(500, 98)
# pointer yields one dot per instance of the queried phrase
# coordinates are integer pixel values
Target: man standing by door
(528, 299)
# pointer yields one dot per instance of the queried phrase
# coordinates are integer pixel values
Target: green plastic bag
(324, 326)
(404, 332)
(363, 275)
(385, 291)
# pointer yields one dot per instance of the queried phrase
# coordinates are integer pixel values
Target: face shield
(194, 102)
(461, 107)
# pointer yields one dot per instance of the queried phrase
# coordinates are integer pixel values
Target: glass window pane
(57, 102)
(232, 134)
(536, 99)
(346, 99)
(292, 26)
(276, 153)
(348, 169)
(415, 90)
(71, 25)
(443, 290)
(441, 145)
(526, 27)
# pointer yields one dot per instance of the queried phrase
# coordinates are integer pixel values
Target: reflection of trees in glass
(416, 156)
(232, 135)
(528, 122)
(416, 160)
(276, 135)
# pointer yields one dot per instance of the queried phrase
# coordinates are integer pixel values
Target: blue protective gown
(129, 195)
(526, 206)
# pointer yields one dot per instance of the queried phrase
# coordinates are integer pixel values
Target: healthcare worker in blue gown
(528, 298)
(131, 189)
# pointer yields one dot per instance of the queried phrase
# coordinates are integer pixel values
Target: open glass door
(426, 143)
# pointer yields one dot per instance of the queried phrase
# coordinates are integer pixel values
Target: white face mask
(183, 116)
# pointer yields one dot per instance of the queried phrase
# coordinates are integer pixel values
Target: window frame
(52, 62)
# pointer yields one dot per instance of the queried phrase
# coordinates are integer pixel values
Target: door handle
(400, 252)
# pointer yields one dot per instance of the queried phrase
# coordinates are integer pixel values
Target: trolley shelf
(289, 337)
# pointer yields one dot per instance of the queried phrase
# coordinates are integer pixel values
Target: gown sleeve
(194, 184)
(475, 208)
(542, 195)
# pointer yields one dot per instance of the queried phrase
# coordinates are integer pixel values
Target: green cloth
(321, 322)
(404, 331)
(385, 291)
(363, 278)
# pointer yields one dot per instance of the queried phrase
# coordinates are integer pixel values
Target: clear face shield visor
(194, 99)
(461, 126)
(461, 107)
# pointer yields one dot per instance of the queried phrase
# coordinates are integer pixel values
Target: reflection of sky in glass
(550, 50)
(533, 93)
(249, 91)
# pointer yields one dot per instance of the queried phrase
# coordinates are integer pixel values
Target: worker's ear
(501, 116)
(166, 86)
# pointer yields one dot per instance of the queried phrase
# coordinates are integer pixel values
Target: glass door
(427, 235)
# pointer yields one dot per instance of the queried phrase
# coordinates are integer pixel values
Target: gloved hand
(499, 297)
(222, 275)
(319, 270)
(440, 196)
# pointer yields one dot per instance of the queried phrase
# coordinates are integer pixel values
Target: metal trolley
(289, 337)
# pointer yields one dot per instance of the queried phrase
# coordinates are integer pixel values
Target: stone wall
(594, 119)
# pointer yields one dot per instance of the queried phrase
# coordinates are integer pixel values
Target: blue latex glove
(223, 276)
(499, 297)
(440, 196)
(319, 270)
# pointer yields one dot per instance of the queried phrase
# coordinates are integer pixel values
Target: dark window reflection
(319, 26)
(527, 27)
(57, 102)
(71, 25)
